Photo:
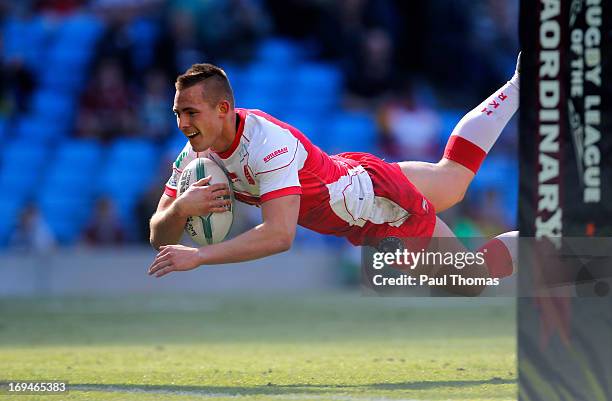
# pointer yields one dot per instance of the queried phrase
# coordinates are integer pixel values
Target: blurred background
(86, 89)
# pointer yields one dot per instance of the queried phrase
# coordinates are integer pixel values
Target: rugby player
(275, 166)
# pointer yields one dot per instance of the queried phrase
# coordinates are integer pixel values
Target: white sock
(475, 134)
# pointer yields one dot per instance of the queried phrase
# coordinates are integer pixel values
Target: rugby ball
(214, 227)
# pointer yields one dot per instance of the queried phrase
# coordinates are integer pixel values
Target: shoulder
(185, 156)
(265, 132)
(270, 144)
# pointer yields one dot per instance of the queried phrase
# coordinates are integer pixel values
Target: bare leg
(443, 183)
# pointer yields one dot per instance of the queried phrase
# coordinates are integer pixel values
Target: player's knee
(458, 179)
(459, 194)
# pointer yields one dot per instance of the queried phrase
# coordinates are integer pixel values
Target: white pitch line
(205, 394)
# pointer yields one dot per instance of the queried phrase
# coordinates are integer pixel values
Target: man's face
(200, 122)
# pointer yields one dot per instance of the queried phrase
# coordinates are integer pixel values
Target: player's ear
(223, 107)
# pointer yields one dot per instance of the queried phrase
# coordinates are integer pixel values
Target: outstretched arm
(274, 235)
(169, 220)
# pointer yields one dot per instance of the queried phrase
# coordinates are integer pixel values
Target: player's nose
(183, 124)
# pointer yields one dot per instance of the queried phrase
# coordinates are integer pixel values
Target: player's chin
(198, 146)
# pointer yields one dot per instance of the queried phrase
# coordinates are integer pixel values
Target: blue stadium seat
(309, 126)
(58, 108)
(350, 131)
(65, 212)
(273, 105)
(20, 182)
(81, 30)
(279, 51)
(79, 152)
(267, 80)
(25, 39)
(130, 167)
(315, 88)
(132, 150)
(22, 165)
(39, 128)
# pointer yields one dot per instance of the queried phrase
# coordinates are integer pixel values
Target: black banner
(565, 342)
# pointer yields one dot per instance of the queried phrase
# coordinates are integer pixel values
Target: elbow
(154, 238)
(284, 243)
(154, 242)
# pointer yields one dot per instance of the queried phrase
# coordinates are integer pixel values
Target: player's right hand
(201, 199)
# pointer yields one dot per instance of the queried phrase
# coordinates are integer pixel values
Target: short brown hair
(217, 85)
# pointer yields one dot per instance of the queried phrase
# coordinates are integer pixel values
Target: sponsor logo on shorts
(277, 152)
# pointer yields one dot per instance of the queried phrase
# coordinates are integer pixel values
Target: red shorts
(389, 182)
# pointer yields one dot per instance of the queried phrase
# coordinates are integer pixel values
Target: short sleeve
(183, 159)
(276, 167)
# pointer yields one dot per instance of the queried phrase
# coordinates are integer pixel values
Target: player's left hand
(174, 258)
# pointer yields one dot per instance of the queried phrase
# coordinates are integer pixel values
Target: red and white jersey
(354, 195)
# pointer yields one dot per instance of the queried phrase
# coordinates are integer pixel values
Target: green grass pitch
(339, 347)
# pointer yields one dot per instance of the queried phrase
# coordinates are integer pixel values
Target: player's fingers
(165, 271)
(218, 209)
(202, 182)
(159, 263)
(218, 187)
(221, 202)
(221, 192)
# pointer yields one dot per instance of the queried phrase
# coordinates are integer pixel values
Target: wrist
(176, 210)
(201, 255)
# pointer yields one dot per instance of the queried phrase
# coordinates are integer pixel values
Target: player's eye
(192, 113)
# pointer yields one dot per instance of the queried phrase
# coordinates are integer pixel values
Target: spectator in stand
(147, 202)
(409, 128)
(131, 33)
(343, 24)
(59, 6)
(105, 226)
(32, 234)
(16, 87)
(210, 31)
(179, 44)
(107, 105)
(369, 72)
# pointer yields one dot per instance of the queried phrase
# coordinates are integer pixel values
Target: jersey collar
(241, 114)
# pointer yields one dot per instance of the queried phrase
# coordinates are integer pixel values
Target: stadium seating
(316, 88)
(25, 39)
(22, 167)
(351, 131)
(280, 52)
(129, 168)
(65, 211)
(41, 160)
